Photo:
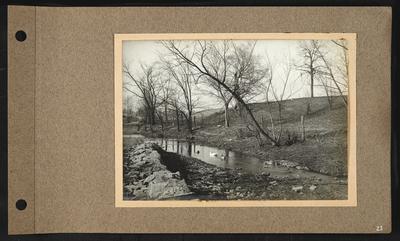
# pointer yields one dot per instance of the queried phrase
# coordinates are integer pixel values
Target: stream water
(228, 159)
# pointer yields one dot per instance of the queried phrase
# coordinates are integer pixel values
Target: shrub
(292, 138)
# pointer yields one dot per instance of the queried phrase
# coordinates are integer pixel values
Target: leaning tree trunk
(236, 96)
(253, 119)
(255, 122)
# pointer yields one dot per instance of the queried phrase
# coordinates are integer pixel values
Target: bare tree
(344, 60)
(279, 95)
(166, 94)
(146, 87)
(326, 84)
(245, 76)
(182, 76)
(311, 64)
(329, 71)
(221, 65)
(318, 66)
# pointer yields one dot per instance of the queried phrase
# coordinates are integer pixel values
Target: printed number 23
(379, 228)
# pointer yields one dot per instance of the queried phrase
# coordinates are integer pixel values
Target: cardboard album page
(199, 120)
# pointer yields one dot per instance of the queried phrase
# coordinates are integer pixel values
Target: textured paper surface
(61, 134)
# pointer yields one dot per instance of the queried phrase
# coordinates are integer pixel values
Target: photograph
(235, 118)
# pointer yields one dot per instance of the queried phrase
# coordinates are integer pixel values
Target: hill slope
(324, 149)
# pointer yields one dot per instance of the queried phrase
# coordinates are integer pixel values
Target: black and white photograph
(236, 119)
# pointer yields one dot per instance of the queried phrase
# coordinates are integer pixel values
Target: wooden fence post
(303, 131)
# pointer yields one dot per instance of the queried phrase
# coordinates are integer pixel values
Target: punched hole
(20, 35)
(21, 204)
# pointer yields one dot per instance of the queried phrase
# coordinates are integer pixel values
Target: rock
(313, 187)
(140, 194)
(302, 168)
(297, 188)
(268, 163)
(286, 163)
(266, 174)
(129, 188)
(323, 171)
(156, 177)
(176, 175)
(273, 183)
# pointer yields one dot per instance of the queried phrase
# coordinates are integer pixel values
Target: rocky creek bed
(150, 173)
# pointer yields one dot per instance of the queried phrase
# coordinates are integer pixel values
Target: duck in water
(214, 154)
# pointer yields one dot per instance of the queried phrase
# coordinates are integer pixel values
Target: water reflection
(219, 157)
(226, 159)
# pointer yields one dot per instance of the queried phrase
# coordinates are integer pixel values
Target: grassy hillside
(325, 147)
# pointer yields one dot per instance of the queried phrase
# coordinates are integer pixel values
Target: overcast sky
(279, 52)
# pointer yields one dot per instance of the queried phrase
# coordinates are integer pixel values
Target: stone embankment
(145, 178)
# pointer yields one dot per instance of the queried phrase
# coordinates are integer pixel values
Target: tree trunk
(161, 122)
(308, 107)
(166, 114)
(312, 82)
(146, 120)
(303, 132)
(226, 115)
(151, 120)
(177, 118)
(153, 116)
(278, 139)
(189, 123)
(311, 87)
